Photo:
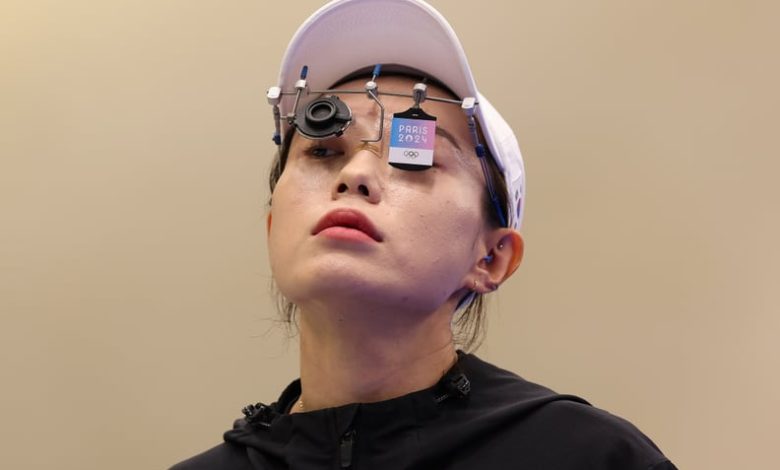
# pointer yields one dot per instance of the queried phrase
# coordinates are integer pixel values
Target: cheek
(441, 230)
(446, 203)
(298, 182)
(295, 193)
(288, 201)
(296, 205)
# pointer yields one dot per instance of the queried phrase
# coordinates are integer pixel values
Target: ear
(505, 248)
(268, 223)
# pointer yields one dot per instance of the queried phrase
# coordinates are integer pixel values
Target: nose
(360, 176)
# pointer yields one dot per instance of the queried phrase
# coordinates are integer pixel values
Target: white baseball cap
(347, 35)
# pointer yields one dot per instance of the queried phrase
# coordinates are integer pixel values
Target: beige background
(134, 143)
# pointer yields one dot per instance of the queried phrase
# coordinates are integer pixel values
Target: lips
(347, 219)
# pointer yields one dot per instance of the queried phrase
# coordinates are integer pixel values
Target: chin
(346, 287)
(389, 302)
(343, 279)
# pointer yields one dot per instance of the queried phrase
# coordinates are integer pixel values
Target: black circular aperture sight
(320, 111)
(322, 118)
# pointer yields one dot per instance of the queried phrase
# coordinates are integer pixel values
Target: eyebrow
(446, 134)
(459, 153)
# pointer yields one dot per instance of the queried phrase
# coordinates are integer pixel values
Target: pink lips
(346, 224)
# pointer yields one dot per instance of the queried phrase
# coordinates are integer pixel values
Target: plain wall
(135, 318)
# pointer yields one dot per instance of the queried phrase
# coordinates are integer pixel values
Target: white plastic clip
(274, 95)
(420, 92)
(469, 105)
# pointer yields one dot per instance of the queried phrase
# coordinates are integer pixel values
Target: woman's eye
(322, 152)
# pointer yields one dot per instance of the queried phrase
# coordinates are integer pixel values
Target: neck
(363, 357)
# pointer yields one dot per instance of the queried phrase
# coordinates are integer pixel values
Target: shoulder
(224, 455)
(555, 430)
(595, 436)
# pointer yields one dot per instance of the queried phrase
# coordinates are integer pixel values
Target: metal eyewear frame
(419, 95)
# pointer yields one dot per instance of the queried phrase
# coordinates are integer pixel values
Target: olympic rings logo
(411, 153)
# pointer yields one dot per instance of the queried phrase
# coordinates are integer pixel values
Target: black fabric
(477, 417)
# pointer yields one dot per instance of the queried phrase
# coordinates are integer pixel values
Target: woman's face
(347, 228)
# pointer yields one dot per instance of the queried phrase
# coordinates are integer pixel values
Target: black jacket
(477, 417)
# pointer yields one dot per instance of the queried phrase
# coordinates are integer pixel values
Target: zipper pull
(259, 415)
(347, 440)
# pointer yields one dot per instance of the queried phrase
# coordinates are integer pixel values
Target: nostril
(342, 188)
(363, 189)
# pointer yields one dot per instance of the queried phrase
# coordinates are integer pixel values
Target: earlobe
(268, 224)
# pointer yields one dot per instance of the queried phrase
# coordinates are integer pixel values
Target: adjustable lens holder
(322, 118)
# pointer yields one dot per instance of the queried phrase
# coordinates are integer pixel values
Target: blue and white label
(412, 141)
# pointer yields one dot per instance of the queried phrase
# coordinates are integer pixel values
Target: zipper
(345, 447)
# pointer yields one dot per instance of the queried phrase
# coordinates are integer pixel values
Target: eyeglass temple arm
(468, 107)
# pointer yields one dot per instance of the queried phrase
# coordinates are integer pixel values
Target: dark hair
(469, 325)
